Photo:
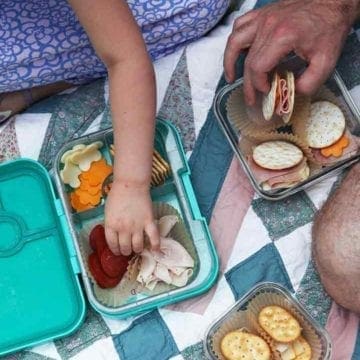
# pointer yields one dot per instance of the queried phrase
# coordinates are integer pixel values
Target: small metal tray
(270, 294)
(335, 84)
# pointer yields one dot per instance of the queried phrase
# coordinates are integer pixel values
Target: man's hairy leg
(336, 242)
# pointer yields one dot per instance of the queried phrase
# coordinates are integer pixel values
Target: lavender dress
(42, 42)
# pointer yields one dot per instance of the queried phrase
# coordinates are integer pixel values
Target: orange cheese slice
(337, 148)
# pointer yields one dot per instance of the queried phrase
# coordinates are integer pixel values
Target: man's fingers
(152, 232)
(241, 20)
(112, 240)
(239, 40)
(260, 82)
(257, 68)
(268, 56)
(249, 91)
(316, 74)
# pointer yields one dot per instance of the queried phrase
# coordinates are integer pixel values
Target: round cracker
(326, 124)
(279, 324)
(238, 345)
(268, 104)
(277, 155)
(302, 349)
(290, 82)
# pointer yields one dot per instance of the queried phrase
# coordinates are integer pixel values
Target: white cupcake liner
(129, 289)
(308, 331)
(246, 120)
(248, 319)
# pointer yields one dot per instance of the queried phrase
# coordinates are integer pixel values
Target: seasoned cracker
(302, 349)
(325, 125)
(279, 324)
(277, 155)
(238, 345)
(161, 160)
(157, 177)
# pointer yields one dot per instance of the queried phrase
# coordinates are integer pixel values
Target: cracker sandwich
(326, 134)
(278, 164)
(281, 97)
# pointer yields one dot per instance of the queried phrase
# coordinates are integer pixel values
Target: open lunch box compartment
(40, 260)
(352, 116)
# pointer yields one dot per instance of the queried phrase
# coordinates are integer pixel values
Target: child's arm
(119, 43)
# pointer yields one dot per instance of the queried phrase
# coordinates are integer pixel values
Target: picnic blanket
(257, 240)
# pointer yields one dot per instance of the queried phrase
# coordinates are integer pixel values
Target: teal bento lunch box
(41, 265)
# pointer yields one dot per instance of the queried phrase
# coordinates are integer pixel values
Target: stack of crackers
(278, 337)
(160, 169)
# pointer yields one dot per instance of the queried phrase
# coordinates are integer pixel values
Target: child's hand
(128, 216)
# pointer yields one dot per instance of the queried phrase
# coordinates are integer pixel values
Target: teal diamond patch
(177, 104)
(313, 296)
(194, 352)
(25, 355)
(93, 329)
(284, 216)
(71, 118)
(349, 62)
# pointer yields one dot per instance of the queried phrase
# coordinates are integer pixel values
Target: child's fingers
(112, 240)
(138, 241)
(152, 232)
(124, 239)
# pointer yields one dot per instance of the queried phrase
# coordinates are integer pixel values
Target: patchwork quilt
(256, 240)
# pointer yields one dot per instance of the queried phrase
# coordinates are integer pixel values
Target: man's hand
(314, 29)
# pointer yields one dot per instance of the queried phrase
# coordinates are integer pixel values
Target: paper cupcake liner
(129, 289)
(248, 319)
(324, 94)
(123, 293)
(246, 120)
(247, 143)
(308, 331)
(84, 245)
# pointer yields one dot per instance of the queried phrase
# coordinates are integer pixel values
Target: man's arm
(314, 29)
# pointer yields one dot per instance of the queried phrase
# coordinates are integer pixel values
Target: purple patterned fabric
(41, 41)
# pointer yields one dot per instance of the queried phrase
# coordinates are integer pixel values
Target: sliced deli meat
(171, 264)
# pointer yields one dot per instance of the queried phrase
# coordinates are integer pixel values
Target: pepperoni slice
(103, 280)
(97, 239)
(114, 265)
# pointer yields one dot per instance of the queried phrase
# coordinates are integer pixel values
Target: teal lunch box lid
(40, 293)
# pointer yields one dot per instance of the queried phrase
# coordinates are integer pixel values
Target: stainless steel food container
(335, 84)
